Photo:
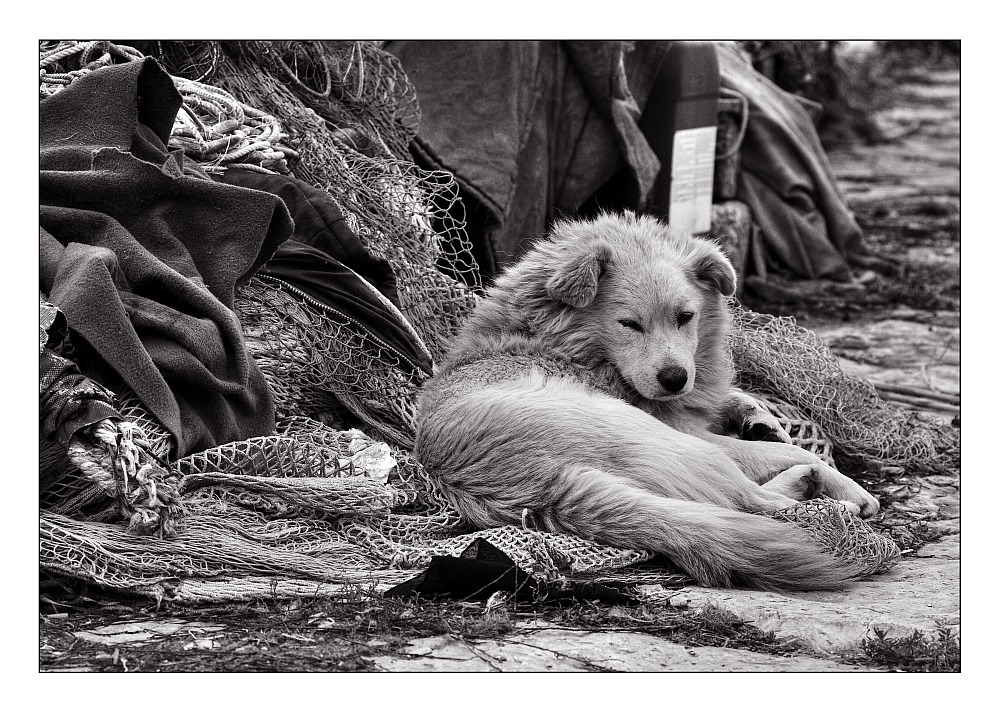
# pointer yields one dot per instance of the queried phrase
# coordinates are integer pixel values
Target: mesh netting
(315, 360)
(353, 140)
(774, 355)
(79, 480)
(843, 534)
(308, 504)
(321, 510)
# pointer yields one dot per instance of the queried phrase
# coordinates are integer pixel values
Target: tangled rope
(120, 462)
(212, 127)
(218, 131)
(88, 56)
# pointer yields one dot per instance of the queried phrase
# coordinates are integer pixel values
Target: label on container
(691, 179)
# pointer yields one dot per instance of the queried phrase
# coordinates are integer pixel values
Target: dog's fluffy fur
(593, 389)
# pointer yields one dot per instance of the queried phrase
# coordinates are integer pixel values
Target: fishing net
(318, 362)
(774, 355)
(340, 116)
(334, 501)
(351, 134)
(842, 534)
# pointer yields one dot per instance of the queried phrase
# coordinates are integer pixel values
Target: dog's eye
(630, 324)
(684, 317)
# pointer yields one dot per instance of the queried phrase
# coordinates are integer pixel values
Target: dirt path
(900, 332)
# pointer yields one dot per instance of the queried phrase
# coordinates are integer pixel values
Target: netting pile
(308, 511)
(340, 115)
(318, 362)
(350, 112)
(842, 534)
(314, 509)
(776, 356)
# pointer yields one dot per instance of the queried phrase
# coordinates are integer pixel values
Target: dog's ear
(575, 280)
(710, 265)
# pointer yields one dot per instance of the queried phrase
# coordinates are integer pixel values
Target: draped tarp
(787, 179)
(530, 129)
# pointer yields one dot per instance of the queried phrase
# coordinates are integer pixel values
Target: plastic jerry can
(680, 123)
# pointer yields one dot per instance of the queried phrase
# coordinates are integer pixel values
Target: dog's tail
(716, 546)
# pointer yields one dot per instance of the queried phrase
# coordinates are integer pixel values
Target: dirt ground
(898, 326)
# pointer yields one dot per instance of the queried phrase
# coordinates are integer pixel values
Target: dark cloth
(329, 282)
(530, 129)
(320, 224)
(142, 253)
(327, 261)
(68, 400)
(787, 180)
(52, 329)
(479, 572)
(482, 570)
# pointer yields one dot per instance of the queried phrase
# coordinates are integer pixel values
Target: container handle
(744, 122)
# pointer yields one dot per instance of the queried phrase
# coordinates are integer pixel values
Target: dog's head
(643, 295)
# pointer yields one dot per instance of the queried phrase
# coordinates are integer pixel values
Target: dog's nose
(672, 378)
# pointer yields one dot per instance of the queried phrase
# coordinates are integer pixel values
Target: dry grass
(313, 635)
(917, 652)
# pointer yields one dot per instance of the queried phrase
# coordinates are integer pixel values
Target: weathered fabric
(142, 253)
(787, 180)
(328, 262)
(68, 400)
(530, 129)
(320, 223)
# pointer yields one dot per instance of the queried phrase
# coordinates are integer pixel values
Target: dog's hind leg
(762, 462)
(593, 466)
(799, 483)
(507, 441)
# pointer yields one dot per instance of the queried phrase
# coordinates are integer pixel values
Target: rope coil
(212, 127)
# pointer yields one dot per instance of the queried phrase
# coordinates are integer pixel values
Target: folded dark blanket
(142, 253)
(787, 179)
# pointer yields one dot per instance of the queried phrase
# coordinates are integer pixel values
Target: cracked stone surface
(555, 649)
(920, 593)
(899, 351)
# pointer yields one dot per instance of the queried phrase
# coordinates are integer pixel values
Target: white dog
(593, 388)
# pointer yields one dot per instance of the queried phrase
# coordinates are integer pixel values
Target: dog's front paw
(851, 507)
(756, 423)
(752, 421)
(800, 482)
(768, 429)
